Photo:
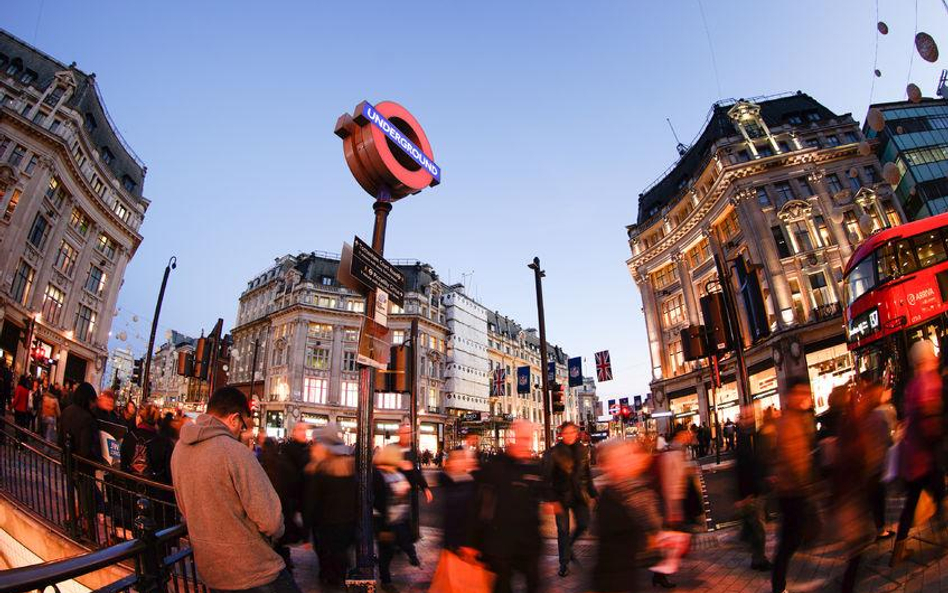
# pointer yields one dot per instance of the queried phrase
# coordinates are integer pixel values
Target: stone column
(687, 288)
(334, 397)
(296, 359)
(652, 320)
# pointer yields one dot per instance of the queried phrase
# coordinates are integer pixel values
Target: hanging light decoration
(914, 93)
(891, 174)
(875, 119)
(135, 318)
(864, 148)
(882, 27)
(121, 337)
(926, 46)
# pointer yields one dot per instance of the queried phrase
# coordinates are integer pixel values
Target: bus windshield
(861, 279)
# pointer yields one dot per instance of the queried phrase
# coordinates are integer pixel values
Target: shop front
(274, 423)
(724, 400)
(348, 427)
(75, 368)
(386, 431)
(429, 437)
(828, 368)
(763, 390)
(684, 409)
(313, 422)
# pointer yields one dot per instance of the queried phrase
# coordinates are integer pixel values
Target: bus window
(861, 279)
(887, 264)
(930, 248)
(906, 257)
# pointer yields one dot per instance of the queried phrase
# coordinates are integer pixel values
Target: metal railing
(127, 520)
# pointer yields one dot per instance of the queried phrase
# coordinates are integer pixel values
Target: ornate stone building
(783, 189)
(71, 203)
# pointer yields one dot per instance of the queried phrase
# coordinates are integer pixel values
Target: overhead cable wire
(714, 61)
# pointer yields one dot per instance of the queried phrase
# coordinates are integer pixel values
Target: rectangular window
(872, 174)
(31, 164)
(819, 290)
(66, 258)
(783, 249)
(833, 184)
(38, 117)
(16, 157)
(315, 391)
(729, 226)
(128, 184)
(665, 276)
(120, 210)
(350, 334)
(11, 205)
(97, 185)
(832, 140)
(22, 283)
(825, 238)
(356, 306)
(804, 186)
(784, 192)
(852, 227)
(327, 302)
(95, 282)
(398, 337)
(79, 222)
(54, 125)
(676, 358)
(813, 143)
(85, 323)
(38, 231)
(349, 394)
(106, 155)
(349, 361)
(795, 120)
(317, 358)
(673, 311)
(106, 245)
(53, 98)
(851, 137)
(388, 401)
(765, 151)
(762, 198)
(319, 330)
(802, 235)
(52, 304)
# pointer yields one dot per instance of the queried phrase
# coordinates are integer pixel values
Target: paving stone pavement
(718, 562)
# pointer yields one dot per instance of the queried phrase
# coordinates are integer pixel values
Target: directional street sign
(374, 271)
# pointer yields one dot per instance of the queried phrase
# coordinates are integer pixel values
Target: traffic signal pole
(544, 362)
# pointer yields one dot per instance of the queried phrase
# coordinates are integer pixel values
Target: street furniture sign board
(374, 344)
(375, 272)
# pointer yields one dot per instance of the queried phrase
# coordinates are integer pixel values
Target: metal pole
(715, 383)
(724, 275)
(412, 371)
(365, 556)
(544, 360)
(146, 373)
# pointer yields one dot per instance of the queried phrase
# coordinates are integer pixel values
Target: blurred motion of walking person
(393, 511)
(511, 492)
(794, 476)
(751, 489)
(922, 434)
(567, 471)
(627, 518)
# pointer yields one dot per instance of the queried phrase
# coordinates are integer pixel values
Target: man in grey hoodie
(231, 510)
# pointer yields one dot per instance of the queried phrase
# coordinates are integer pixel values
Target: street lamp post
(544, 362)
(146, 373)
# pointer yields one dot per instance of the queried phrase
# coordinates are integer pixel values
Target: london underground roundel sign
(387, 150)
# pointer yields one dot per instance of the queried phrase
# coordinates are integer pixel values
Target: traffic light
(396, 379)
(202, 358)
(693, 343)
(720, 335)
(557, 395)
(137, 369)
(185, 364)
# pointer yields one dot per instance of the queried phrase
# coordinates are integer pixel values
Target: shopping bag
(454, 575)
(674, 545)
(925, 509)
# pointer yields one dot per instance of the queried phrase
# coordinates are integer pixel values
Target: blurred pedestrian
(751, 489)
(230, 507)
(21, 403)
(36, 405)
(511, 492)
(286, 480)
(411, 466)
(922, 434)
(145, 452)
(78, 428)
(329, 505)
(568, 474)
(627, 518)
(6, 385)
(130, 415)
(794, 476)
(393, 510)
(459, 490)
(879, 423)
(49, 416)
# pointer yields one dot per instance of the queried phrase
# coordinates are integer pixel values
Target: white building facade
(467, 375)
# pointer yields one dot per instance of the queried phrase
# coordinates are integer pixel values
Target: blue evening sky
(548, 119)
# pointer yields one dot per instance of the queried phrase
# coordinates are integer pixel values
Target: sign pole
(545, 361)
(365, 556)
(412, 383)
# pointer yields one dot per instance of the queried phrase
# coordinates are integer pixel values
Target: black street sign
(373, 270)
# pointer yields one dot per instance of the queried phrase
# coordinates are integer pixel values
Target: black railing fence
(127, 520)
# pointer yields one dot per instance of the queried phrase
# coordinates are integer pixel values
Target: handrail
(37, 576)
(124, 475)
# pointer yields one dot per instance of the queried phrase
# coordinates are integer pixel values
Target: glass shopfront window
(348, 427)
(727, 403)
(763, 388)
(428, 438)
(828, 368)
(684, 410)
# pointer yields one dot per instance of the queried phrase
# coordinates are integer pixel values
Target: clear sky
(547, 118)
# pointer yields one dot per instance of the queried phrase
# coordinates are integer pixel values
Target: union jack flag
(500, 379)
(603, 366)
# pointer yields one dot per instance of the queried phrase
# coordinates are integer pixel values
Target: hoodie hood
(203, 428)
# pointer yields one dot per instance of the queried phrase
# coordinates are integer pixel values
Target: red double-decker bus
(896, 289)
